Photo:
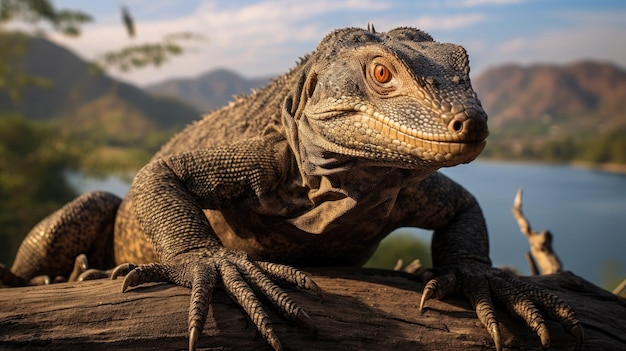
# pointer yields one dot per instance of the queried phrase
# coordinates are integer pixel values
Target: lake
(584, 209)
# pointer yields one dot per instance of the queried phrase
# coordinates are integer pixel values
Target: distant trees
(32, 182)
(594, 148)
(34, 156)
(400, 245)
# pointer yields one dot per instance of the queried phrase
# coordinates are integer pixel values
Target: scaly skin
(316, 169)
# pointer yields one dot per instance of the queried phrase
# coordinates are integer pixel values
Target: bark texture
(359, 310)
(541, 258)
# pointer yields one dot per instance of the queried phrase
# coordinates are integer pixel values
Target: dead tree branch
(542, 254)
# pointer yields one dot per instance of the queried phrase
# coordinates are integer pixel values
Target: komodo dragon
(314, 169)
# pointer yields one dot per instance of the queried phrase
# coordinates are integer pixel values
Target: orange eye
(382, 74)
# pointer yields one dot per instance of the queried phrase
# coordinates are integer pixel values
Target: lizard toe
(519, 304)
(288, 275)
(81, 265)
(279, 298)
(92, 274)
(151, 273)
(203, 284)
(243, 294)
(437, 288)
(476, 289)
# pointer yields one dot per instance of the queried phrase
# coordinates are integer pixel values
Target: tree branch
(543, 255)
(360, 310)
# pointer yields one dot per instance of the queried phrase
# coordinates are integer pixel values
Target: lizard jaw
(367, 136)
(443, 150)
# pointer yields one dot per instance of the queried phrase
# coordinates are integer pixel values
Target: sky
(266, 37)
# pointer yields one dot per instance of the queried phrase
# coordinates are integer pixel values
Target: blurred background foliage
(400, 245)
(96, 130)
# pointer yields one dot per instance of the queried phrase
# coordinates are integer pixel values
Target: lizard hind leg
(53, 246)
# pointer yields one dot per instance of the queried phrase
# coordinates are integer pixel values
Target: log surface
(359, 310)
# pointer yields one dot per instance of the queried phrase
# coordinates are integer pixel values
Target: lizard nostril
(457, 126)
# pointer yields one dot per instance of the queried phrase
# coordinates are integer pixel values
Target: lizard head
(397, 99)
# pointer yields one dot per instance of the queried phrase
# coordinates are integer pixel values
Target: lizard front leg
(169, 196)
(461, 262)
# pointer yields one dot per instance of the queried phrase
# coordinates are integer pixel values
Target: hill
(209, 91)
(574, 96)
(74, 83)
(108, 124)
(574, 112)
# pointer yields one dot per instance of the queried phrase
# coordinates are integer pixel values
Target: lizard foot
(521, 299)
(80, 272)
(240, 277)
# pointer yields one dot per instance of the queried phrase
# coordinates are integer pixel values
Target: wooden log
(360, 309)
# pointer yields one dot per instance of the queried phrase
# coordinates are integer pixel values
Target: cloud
(449, 22)
(592, 35)
(281, 30)
(268, 37)
(514, 46)
(474, 3)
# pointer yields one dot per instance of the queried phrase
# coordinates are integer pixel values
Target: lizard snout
(469, 125)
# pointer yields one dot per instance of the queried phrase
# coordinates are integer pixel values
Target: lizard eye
(381, 73)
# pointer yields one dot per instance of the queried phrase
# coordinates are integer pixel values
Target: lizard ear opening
(291, 105)
(311, 84)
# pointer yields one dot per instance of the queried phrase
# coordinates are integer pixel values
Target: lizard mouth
(443, 149)
(380, 138)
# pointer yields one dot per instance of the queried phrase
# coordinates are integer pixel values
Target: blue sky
(266, 37)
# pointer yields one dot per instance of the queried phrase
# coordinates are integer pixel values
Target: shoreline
(612, 168)
(615, 168)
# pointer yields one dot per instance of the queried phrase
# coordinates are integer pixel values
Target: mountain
(575, 96)
(104, 124)
(573, 112)
(209, 91)
(74, 84)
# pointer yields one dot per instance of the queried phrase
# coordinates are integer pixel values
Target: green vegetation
(70, 116)
(114, 136)
(400, 245)
(532, 145)
(32, 182)
(612, 273)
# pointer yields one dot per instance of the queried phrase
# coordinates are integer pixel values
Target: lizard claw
(578, 332)
(437, 288)
(122, 270)
(240, 277)
(477, 290)
(81, 265)
(520, 298)
(131, 279)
